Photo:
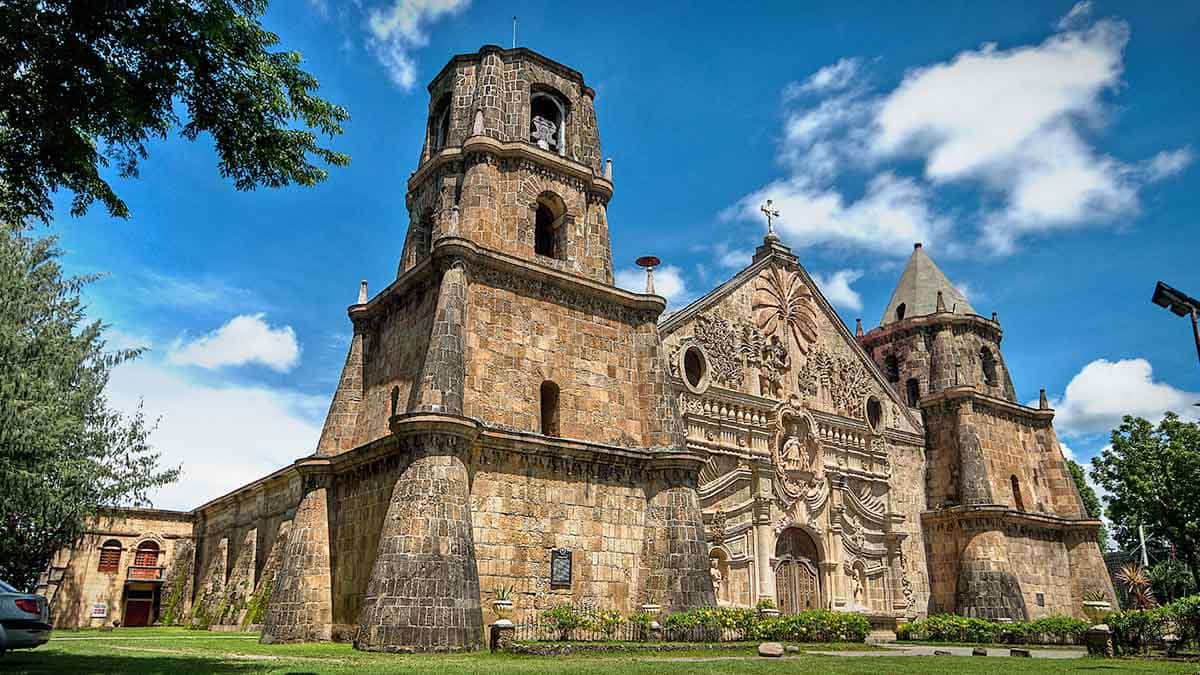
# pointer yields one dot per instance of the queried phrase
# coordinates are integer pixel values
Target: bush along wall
(704, 625)
(1051, 630)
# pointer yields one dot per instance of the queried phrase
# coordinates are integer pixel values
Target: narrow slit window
(549, 398)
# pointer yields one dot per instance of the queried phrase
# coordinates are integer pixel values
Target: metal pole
(1196, 331)
(1142, 538)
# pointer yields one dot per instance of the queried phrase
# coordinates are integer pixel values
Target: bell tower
(512, 162)
(501, 398)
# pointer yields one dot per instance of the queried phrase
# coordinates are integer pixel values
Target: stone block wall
(524, 507)
(424, 588)
(518, 337)
(394, 350)
(359, 504)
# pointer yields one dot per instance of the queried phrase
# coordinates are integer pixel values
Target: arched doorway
(797, 581)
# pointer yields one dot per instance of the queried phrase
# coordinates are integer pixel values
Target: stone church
(507, 417)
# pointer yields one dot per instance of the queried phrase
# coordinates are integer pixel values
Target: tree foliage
(64, 453)
(1152, 475)
(87, 84)
(1091, 503)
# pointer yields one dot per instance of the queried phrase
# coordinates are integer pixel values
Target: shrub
(954, 628)
(814, 625)
(641, 622)
(564, 618)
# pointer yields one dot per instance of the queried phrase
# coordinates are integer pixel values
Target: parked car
(24, 619)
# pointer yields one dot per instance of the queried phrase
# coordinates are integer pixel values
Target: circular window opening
(694, 366)
(875, 414)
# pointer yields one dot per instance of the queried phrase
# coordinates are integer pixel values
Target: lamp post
(1180, 304)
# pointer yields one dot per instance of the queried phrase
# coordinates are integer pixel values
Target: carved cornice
(492, 150)
(999, 513)
(488, 266)
(918, 324)
(955, 397)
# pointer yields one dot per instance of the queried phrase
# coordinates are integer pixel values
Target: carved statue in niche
(799, 466)
(781, 302)
(718, 579)
(544, 132)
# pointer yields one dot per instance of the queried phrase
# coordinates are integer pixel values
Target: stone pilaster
(674, 560)
(240, 585)
(764, 538)
(301, 607)
(445, 371)
(424, 589)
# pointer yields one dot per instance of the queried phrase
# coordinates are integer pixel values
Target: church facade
(507, 418)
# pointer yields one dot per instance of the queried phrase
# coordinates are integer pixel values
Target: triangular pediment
(769, 332)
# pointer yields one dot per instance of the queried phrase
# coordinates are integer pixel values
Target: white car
(24, 619)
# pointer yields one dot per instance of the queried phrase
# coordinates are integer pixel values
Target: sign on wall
(99, 610)
(560, 568)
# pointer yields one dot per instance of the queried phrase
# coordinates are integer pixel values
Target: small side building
(133, 567)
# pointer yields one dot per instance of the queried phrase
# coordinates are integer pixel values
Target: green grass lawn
(178, 651)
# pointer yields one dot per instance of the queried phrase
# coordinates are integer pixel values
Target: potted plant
(766, 608)
(503, 603)
(1096, 605)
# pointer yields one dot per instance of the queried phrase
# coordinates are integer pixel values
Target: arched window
(913, 389)
(549, 398)
(900, 311)
(548, 121)
(989, 366)
(548, 232)
(110, 556)
(891, 367)
(439, 131)
(694, 366)
(146, 555)
(1016, 491)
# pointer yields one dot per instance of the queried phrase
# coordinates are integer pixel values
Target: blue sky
(1042, 151)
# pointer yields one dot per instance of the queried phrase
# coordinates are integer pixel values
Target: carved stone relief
(720, 342)
(843, 381)
(782, 303)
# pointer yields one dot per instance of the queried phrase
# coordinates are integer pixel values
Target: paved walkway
(928, 650)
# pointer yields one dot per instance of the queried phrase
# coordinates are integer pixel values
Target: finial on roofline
(362, 292)
(858, 331)
(941, 303)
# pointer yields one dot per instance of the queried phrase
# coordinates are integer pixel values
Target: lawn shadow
(55, 661)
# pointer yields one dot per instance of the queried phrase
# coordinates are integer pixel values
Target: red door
(137, 612)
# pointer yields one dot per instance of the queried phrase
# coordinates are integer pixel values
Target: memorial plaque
(560, 568)
(99, 610)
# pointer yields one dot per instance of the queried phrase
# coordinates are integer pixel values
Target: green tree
(1091, 503)
(1152, 475)
(64, 453)
(1170, 580)
(86, 84)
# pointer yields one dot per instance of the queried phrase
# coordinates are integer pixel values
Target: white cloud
(170, 291)
(1104, 391)
(732, 258)
(1068, 453)
(836, 288)
(830, 78)
(244, 339)
(1079, 14)
(1010, 124)
(403, 26)
(668, 282)
(892, 214)
(1167, 163)
(223, 436)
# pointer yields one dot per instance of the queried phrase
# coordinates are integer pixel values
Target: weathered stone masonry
(502, 404)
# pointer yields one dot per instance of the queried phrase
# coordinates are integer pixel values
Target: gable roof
(918, 288)
(774, 251)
